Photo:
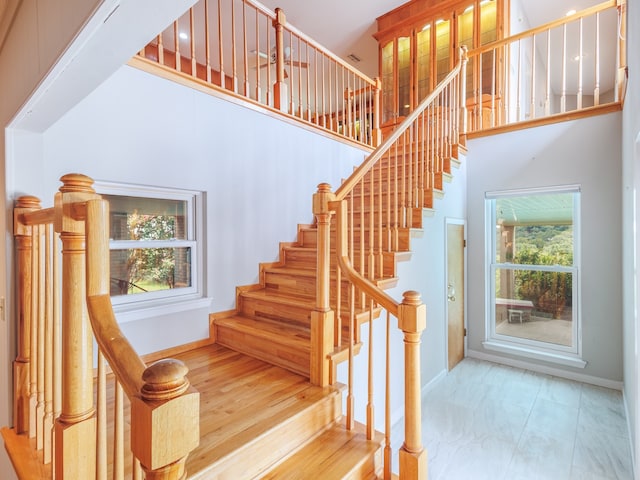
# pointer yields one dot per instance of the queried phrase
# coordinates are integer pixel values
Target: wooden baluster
(270, 94)
(381, 232)
(563, 97)
(532, 103)
(234, 54)
(176, 45)
(280, 87)
(137, 469)
(75, 429)
(308, 72)
(371, 418)
(192, 40)
(291, 77)
(580, 62)
(207, 40)
(22, 364)
(376, 136)
(621, 62)
(57, 339)
(48, 344)
(245, 64)
(322, 317)
(33, 373)
(387, 401)
(412, 315)
(221, 46)
(118, 433)
(547, 97)
(41, 339)
(102, 461)
(596, 88)
(160, 50)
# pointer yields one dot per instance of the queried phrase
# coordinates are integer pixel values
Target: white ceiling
(346, 27)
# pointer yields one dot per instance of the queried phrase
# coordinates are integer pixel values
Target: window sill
(551, 357)
(141, 311)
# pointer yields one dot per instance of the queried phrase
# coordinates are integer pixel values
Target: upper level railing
(63, 272)
(249, 51)
(374, 209)
(572, 64)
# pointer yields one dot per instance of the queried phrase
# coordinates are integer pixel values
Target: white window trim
(145, 305)
(570, 356)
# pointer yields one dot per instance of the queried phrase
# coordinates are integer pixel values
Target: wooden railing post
(280, 94)
(322, 318)
(22, 363)
(75, 428)
(165, 421)
(622, 50)
(412, 320)
(376, 133)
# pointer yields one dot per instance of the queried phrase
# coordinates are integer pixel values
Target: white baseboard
(556, 372)
(629, 430)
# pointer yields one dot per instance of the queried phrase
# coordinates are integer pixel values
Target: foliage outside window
(153, 245)
(533, 294)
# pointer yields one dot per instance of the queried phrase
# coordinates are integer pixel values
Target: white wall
(258, 174)
(630, 219)
(585, 152)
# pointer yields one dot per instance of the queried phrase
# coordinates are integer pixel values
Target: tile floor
(489, 421)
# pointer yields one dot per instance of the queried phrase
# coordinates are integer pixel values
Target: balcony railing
(572, 64)
(248, 51)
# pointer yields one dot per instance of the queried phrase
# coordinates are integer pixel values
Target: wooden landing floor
(241, 400)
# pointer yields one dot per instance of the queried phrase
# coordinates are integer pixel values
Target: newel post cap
(165, 379)
(412, 313)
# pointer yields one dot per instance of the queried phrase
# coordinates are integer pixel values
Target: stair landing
(256, 416)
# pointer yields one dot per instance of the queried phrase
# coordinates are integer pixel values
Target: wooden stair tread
(335, 454)
(285, 299)
(251, 409)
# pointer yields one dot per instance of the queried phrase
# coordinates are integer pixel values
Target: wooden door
(455, 293)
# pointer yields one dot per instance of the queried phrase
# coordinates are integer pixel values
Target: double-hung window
(154, 243)
(533, 268)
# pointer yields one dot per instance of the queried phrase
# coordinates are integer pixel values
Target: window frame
(519, 345)
(194, 241)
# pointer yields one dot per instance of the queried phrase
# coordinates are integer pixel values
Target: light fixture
(439, 21)
(468, 9)
(183, 36)
(571, 12)
(426, 27)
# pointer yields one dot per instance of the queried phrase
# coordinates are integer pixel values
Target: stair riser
(269, 351)
(274, 310)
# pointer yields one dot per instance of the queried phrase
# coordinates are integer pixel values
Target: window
(154, 244)
(533, 294)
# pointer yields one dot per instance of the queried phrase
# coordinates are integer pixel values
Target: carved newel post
(280, 94)
(75, 428)
(322, 318)
(412, 320)
(165, 424)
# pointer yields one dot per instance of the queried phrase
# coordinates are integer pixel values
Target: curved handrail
(358, 174)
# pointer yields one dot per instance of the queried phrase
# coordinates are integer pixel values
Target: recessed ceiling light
(426, 27)
(183, 36)
(468, 9)
(571, 12)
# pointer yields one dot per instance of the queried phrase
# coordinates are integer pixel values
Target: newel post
(22, 363)
(75, 428)
(412, 320)
(376, 139)
(322, 318)
(165, 421)
(281, 97)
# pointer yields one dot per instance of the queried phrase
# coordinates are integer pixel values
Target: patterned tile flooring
(490, 421)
